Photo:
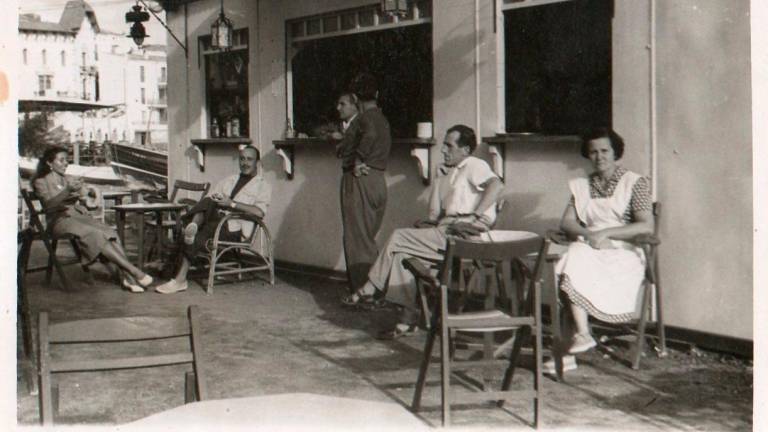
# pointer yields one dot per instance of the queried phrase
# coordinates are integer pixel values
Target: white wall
(707, 199)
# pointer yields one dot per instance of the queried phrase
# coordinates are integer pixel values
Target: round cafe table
(141, 209)
(285, 412)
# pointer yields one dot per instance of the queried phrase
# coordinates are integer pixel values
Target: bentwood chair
(500, 314)
(37, 231)
(651, 294)
(121, 334)
(249, 254)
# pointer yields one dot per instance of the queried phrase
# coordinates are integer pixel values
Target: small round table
(141, 209)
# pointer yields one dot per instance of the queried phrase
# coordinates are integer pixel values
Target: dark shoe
(400, 330)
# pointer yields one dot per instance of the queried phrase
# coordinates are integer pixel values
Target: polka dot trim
(581, 301)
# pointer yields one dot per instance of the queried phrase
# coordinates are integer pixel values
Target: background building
(75, 60)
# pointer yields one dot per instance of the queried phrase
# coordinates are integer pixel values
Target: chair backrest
(180, 185)
(505, 255)
(114, 331)
(35, 209)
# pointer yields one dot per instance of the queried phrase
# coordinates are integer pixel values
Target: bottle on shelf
(235, 127)
(289, 132)
(214, 128)
(229, 128)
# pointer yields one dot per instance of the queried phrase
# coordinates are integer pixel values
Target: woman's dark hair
(43, 169)
(467, 137)
(617, 142)
(365, 87)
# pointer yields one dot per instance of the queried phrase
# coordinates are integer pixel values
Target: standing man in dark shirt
(364, 151)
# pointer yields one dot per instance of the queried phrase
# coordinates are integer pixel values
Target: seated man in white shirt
(466, 193)
(245, 192)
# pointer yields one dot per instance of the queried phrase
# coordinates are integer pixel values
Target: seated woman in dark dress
(65, 214)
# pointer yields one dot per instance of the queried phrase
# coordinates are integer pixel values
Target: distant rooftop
(69, 23)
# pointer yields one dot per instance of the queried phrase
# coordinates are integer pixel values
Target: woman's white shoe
(582, 343)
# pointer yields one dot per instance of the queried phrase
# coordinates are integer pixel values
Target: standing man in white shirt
(466, 193)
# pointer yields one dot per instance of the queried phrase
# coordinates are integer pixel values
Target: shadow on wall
(520, 213)
(457, 49)
(309, 230)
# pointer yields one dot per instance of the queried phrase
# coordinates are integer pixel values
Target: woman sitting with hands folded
(65, 214)
(602, 271)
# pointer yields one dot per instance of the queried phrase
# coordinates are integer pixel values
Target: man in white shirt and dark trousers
(245, 192)
(465, 194)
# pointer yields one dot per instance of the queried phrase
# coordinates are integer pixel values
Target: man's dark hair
(365, 87)
(467, 136)
(617, 142)
(258, 153)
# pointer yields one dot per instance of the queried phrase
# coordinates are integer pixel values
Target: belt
(352, 168)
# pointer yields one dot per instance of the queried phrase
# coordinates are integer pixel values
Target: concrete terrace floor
(295, 337)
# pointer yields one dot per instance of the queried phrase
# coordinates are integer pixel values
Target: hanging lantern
(394, 7)
(137, 32)
(221, 31)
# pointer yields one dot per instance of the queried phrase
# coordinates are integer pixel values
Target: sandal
(357, 298)
(400, 330)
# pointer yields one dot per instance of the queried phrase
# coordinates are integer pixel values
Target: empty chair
(501, 313)
(111, 332)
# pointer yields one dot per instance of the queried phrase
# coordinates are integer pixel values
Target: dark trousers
(205, 230)
(363, 201)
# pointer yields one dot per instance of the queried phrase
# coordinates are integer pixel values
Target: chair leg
(445, 375)
(44, 374)
(57, 265)
(424, 304)
(431, 336)
(212, 271)
(640, 343)
(659, 316)
(523, 334)
(190, 387)
(51, 247)
(538, 353)
(488, 342)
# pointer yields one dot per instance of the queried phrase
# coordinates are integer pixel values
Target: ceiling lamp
(395, 7)
(221, 31)
(137, 16)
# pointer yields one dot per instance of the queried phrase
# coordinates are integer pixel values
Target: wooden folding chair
(249, 254)
(116, 331)
(37, 231)
(24, 319)
(501, 314)
(651, 291)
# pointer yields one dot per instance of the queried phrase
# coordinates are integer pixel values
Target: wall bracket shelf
(202, 143)
(286, 150)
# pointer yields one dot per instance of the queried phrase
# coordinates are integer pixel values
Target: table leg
(140, 239)
(120, 219)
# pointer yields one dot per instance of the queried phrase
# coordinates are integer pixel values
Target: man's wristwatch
(233, 205)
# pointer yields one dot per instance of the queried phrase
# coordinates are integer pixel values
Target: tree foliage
(33, 135)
